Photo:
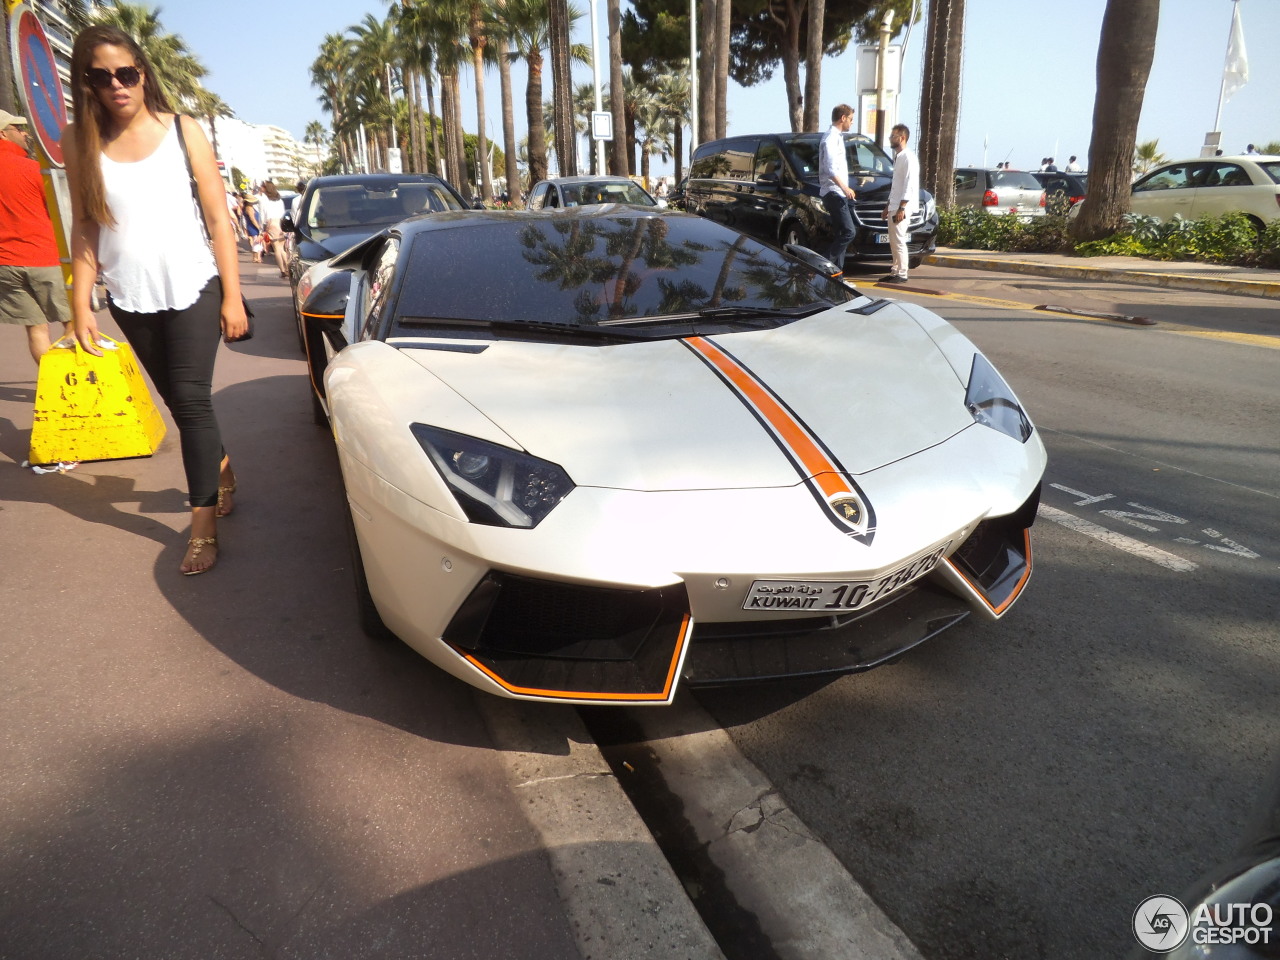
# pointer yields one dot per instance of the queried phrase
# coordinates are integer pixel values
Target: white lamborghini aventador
(593, 454)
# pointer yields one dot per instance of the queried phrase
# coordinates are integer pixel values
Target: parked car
(677, 198)
(338, 211)
(1013, 192)
(1211, 187)
(1062, 191)
(766, 186)
(576, 191)
(593, 454)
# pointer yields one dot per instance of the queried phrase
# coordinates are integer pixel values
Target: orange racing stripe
(823, 473)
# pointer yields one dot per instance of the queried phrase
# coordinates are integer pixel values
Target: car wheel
(794, 233)
(370, 620)
(1258, 226)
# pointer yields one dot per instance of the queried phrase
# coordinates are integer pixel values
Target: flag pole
(1228, 66)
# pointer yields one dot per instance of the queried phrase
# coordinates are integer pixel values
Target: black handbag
(195, 195)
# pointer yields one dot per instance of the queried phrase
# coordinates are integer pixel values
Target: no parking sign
(36, 73)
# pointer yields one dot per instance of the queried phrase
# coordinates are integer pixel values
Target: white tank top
(156, 257)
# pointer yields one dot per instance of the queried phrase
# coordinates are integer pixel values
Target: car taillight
(1075, 200)
(989, 199)
(1042, 198)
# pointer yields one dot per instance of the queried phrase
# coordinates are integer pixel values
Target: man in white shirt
(1072, 166)
(904, 200)
(833, 182)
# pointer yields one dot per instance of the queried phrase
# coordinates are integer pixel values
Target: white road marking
(1135, 519)
(1080, 493)
(1118, 540)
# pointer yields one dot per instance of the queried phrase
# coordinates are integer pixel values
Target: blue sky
(1028, 87)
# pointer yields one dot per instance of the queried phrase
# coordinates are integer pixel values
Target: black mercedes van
(766, 185)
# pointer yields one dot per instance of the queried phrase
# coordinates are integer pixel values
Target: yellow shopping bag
(93, 408)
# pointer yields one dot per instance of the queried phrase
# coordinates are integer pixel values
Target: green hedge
(1229, 239)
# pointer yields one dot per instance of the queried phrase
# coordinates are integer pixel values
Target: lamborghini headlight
(992, 403)
(494, 485)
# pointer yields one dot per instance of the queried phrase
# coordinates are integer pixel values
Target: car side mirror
(812, 259)
(287, 224)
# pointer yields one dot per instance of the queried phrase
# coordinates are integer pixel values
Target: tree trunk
(441, 170)
(460, 135)
(535, 119)
(415, 119)
(791, 68)
(1125, 50)
(509, 126)
(708, 24)
(724, 27)
(813, 65)
(562, 88)
(478, 43)
(940, 99)
(617, 96)
(678, 136)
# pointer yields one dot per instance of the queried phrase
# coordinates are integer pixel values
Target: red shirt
(26, 232)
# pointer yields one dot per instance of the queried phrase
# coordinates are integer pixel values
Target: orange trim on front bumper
(1017, 588)
(667, 688)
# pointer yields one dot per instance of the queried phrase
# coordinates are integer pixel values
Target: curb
(1177, 281)
(621, 897)
(782, 877)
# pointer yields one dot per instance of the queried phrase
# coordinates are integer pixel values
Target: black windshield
(584, 270)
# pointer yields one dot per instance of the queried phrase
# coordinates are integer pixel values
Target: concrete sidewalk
(223, 766)
(1179, 274)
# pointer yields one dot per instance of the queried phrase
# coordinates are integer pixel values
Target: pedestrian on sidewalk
(833, 182)
(271, 210)
(252, 224)
(169, 292)
(32, 291)
(904, 201)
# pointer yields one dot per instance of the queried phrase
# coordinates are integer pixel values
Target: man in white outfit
(904, 200)
(833, 183)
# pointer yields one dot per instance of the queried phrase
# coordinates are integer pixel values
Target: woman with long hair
(272, 210)
(135, 221)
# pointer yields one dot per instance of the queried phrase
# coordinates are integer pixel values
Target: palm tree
(527, 24)
(658, 126)
(1270, 149)
(478, 37)
(940, 99)
(177, 70)
(558, 33)
(330, 71)
(209, 106)
(1126, 47)
(671, 91)
(317, 136)
(502, 48)
(1147, 155)
(377, 50)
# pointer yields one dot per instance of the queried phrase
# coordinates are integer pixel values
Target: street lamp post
(595, 76)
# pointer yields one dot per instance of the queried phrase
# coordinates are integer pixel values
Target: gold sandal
(223, 493)
(200, 543)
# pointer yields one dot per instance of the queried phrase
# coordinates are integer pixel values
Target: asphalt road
(1014, 790)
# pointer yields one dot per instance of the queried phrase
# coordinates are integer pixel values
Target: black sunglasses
(101, 79)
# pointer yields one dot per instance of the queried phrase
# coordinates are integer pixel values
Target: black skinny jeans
(177, 349)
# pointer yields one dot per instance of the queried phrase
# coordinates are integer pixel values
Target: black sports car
(340, 211)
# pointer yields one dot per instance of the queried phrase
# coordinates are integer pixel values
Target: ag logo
(848, 509)
(1160, 923)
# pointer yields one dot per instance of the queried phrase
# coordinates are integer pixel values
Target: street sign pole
(36, 76)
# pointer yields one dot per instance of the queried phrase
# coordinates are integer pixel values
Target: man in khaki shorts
(32, 290)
